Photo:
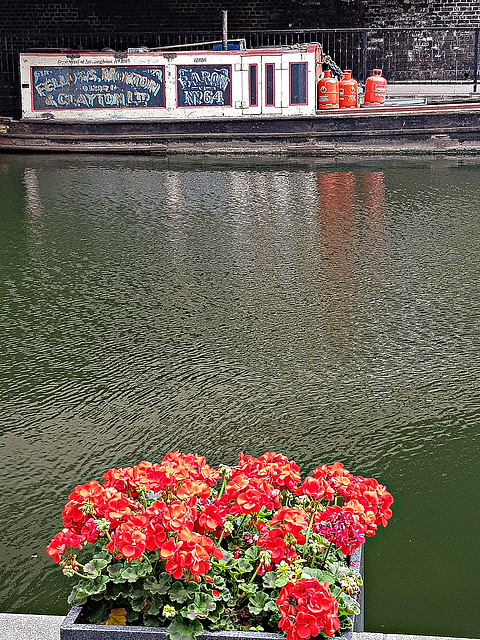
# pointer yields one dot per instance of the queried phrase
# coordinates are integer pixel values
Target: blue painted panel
(204, 86)
(298, 83)
(105, 87)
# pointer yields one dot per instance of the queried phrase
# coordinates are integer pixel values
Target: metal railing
(414, 55)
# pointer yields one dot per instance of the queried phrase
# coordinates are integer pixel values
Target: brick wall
(106, 16)
(124, 15)
(121, 23)
(422, 13)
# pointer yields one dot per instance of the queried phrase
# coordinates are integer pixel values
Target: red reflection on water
(336, 197)
(372, 190)
(336, 211)
(344, 199)
(351, 213)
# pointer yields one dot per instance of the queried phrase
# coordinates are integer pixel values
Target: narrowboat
(236, 100)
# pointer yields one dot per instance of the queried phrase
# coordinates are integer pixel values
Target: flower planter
(73, 629)
(178, 547)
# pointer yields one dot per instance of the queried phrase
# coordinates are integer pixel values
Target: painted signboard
(97, 87)
(204, 86)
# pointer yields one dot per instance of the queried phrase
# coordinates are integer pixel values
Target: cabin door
(262, 84)
(271, 84)
(251, 85)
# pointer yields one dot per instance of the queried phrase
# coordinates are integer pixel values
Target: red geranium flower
(178, 515)
(316, 488)
(89, 531)
(61, 541)
(130, 542)
(343, 526)
(291, 520)
(274, 542)
(307, 608)
(211, 519)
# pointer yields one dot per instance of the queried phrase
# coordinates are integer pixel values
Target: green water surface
(326, 310)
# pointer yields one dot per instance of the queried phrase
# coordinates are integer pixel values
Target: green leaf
(201, 607)
(142, 569)
(243, 566)
(321, 576)
(98, 585)
(94, 568)
(225, 561)
(96, 563)
(271, 606)
(138, 589)
(223, 624)
(96, 597)
(247, 587)
(281, 581)
(210, 604)
(129, 574)
(225, 594)
(115, 572)
(120, 590)
(82, 595)
(218, 581)
(192, 612)
(193, 587)
(180, 629)
(133, 616)
(154, 586)
(257, 602)
(76, 598)
(150, 620)
(93, 573)
(348, 605)
(252, 554)
(269, 579)
(205, 601)
(97, 616)
(138, 603)
(156, 606)
(177, 593)
(336, 568)
(345, 623)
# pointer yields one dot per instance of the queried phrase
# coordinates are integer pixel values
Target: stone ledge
(398, 636)
(34, 627)
(29, 627)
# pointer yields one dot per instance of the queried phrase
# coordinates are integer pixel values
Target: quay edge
(37, 627)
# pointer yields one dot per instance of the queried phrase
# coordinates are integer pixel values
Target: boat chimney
(224, 31)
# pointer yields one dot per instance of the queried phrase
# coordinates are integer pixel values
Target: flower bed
(253, 548)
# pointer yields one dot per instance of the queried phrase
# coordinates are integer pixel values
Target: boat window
(298, 83)
(270, 85)
(204, 85)
(253, 85)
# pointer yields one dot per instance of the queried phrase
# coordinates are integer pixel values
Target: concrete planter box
(72, 629)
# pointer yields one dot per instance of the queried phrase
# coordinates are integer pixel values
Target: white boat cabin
(90, 85)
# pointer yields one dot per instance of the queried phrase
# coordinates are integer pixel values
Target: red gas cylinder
(328, 91)
(348, 90)
(375, 88)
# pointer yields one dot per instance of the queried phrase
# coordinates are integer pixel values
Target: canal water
(325, 310)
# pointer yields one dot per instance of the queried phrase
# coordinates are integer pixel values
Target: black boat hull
(420, 129)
